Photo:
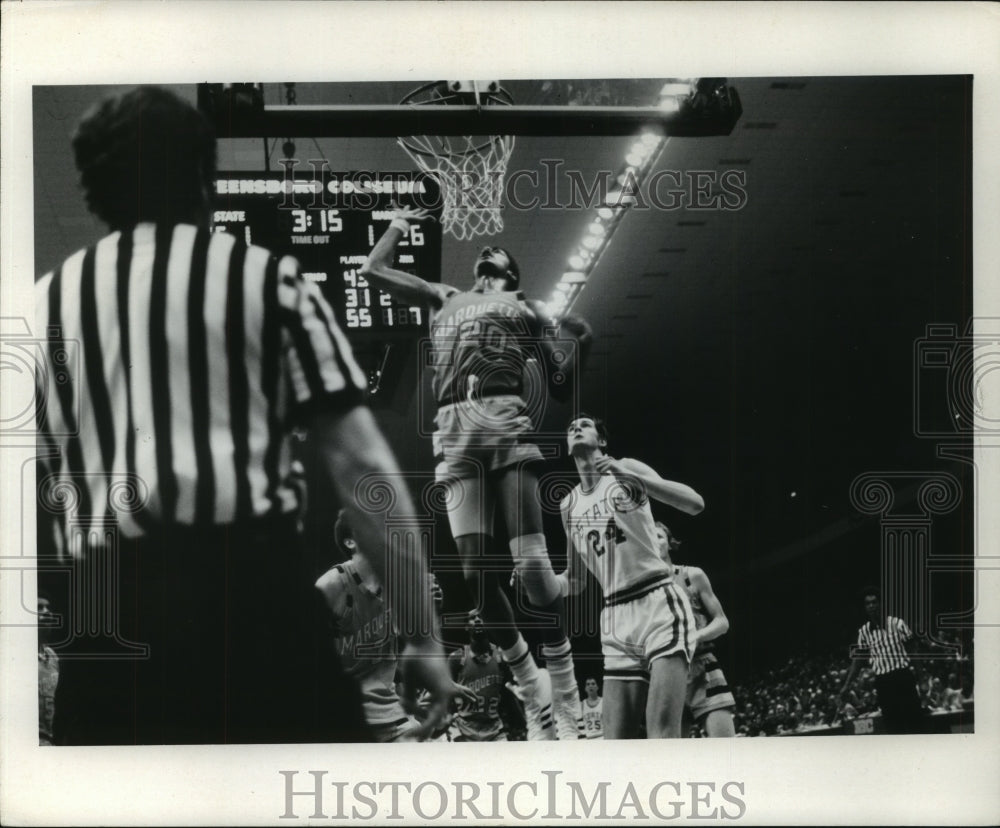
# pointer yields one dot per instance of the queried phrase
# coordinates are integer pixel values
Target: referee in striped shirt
(888, 644)
(166, 446)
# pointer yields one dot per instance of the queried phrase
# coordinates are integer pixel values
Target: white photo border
(890, 780)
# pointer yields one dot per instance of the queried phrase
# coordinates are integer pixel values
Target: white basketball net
(470, 171)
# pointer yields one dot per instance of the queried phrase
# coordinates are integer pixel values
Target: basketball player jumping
(647, 626)
(482, 341)
(709, 698)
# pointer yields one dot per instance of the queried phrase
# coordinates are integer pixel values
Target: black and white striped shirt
(175, 359)
(885, 645)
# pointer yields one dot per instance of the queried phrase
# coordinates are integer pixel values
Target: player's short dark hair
(343, 532)
(870, 590)
(145, 155)
(599, 424)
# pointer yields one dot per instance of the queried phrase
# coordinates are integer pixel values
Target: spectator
(48, 671)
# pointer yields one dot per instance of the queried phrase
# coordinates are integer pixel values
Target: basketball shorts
(481, 436)
(652, 625)
(473, 439)
(471, 735)
(707, 687)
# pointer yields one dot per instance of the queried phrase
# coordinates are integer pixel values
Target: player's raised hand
(410, 213)
(537, 317)
(578, 328)
(425, 666)
(606, 464)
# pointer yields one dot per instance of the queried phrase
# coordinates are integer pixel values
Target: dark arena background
(783, 325)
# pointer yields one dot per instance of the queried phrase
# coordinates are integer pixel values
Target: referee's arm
(352, 450)
(858, 655)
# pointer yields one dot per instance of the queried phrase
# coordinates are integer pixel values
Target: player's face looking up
(582, 434)
(591, 688)
(478, 638)
(493, 263)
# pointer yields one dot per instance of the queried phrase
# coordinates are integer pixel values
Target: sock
(559, 661)
(522, 665)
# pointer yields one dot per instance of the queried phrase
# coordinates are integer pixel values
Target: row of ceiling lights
(639, 160)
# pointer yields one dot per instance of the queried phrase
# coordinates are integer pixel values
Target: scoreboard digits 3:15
(330, 222)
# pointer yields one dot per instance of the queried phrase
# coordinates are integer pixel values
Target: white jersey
(592, 722)
(611, 528)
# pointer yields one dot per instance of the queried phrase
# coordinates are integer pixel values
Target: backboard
(669, 106)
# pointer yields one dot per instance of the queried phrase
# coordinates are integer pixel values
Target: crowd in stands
(801, 695)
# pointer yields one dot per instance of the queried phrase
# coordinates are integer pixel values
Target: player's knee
(531, 559)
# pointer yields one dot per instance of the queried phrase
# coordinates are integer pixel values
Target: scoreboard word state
(330, 222)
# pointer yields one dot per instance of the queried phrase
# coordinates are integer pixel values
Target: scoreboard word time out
(330, 222)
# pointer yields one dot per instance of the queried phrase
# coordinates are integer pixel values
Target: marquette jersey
(683, 578)
(480, 721)
(592, 719)
(612, 530)
(365, 641)
(478, 340)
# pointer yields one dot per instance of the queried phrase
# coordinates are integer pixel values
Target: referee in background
(888, 643)
(197, 356)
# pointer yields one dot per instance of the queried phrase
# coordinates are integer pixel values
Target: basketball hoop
(470, 169)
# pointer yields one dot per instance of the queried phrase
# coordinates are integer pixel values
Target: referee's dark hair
(145, 155)
(870, 590)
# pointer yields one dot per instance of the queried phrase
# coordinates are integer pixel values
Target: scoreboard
(330, 222)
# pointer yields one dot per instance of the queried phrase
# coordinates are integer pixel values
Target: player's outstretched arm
(402, 286)
(353, 450)
(678, 495)
(718, 624)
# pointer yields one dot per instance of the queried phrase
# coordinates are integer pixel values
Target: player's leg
(626, 681)
(517, 491)
(485, 592)
(719, 724)
(664, 623)
(624, 700)
(470, 517)
(709, 698)
(665, 704)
